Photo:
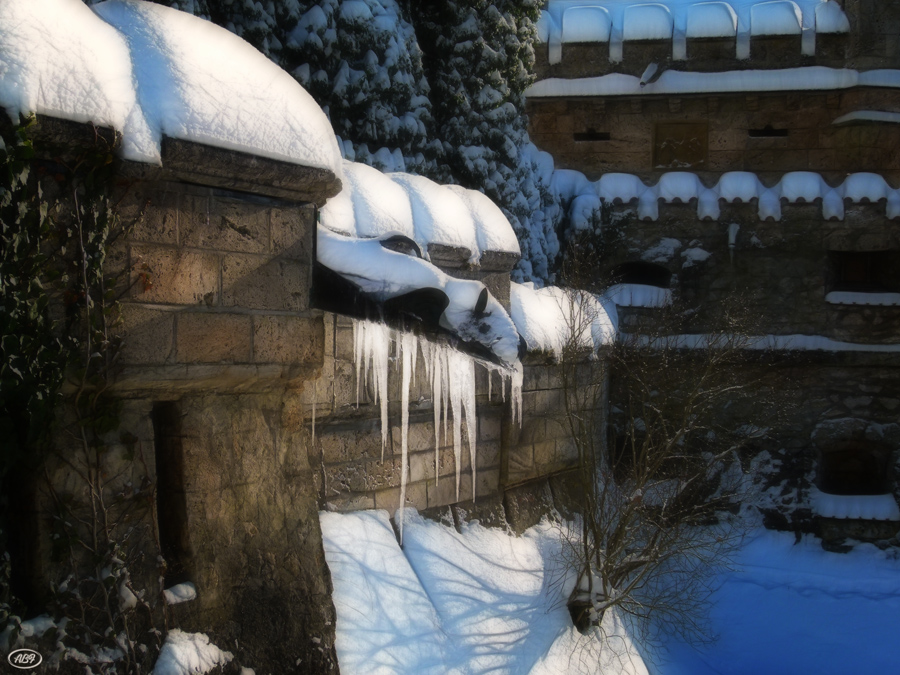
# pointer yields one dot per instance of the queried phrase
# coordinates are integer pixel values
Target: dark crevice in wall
(171, 502)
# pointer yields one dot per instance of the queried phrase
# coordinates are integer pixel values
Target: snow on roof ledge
(376, 205)
(735, 186)
(149, 71)
(677, 82)
(547, 318)
(855, 507)
(860, 116)
(616, 20)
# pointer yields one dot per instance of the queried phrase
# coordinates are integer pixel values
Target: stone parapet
(591, 59)
(766, 133)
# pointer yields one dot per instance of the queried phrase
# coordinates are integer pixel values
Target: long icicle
(408, 345)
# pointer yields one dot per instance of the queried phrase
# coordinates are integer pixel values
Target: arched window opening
(855, 469)
(640, 272)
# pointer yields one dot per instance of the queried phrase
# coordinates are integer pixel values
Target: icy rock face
(149, 71)
(451, 375)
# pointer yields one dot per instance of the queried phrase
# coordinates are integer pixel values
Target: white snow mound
(150, 71)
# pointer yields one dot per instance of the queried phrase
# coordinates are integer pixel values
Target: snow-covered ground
(486, 601)
(477, 602)
(794, 608)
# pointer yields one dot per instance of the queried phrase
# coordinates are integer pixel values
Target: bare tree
(660, 420)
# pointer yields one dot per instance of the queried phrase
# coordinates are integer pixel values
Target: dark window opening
(855, 469)
(767, 132)
(640, 272)
(590, 135)
(171, 503)
(865, 271)
(680, 145)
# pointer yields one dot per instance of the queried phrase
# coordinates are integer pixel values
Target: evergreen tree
(480, 60)
(361, 61)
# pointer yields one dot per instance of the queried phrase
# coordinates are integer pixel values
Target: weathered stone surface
(213, 337)
(287, 339)
(261, 282)
(218, 167)
(168, 275)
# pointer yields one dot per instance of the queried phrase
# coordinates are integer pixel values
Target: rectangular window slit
(768, 132)
(590, 135)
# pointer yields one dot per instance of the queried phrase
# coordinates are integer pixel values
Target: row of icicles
(452, 377)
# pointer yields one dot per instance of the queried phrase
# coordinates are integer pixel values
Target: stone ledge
(211, 378)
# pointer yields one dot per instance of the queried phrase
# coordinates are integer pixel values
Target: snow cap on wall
(150, 71)
(614, 21)
(551, 318)
(732, 186)
(57, 58)
(377, 205)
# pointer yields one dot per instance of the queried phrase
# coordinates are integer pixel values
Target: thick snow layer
(765, 342)
(791, 607)
(868, 116)
(551, 318)
(189, 654)
(58, 58)
(491, 227)
(734, 186)
(180, 593)
(199, 82)
(439, 214)
(374, 204)
(616, 20)
(865, 507)
(686, 82)
(386, 274)
(638, 295)
(859, 298)
(477, 601)
(149, 71)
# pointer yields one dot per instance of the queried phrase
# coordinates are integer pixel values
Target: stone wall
(348, 444)
(781, 271)
(810, 142)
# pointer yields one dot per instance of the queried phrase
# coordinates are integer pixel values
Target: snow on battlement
(376, 205)
(862, 507)
(549, 319)
(677, 82)
(674, 187)
(615, 21)
(149, 71)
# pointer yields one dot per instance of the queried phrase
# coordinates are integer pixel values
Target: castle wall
(722, 126)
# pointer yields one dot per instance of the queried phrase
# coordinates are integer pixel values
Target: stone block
(444, 492)
(149, 334)
(489, 427)
(486, 510)
(166, 275)
(350, 503)
(153, 212)
(261, 282)
(213, 337)
(292, 231)
(389, 499)
(527, 504)
(344, 443)
(420, 436)
(288, 339)
(421, 464)
(228, 225)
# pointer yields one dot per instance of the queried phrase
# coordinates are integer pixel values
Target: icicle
(490, 374)
(408, 346)
(372, 345)
(516, 378)
(468, 387)
(315, 399)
